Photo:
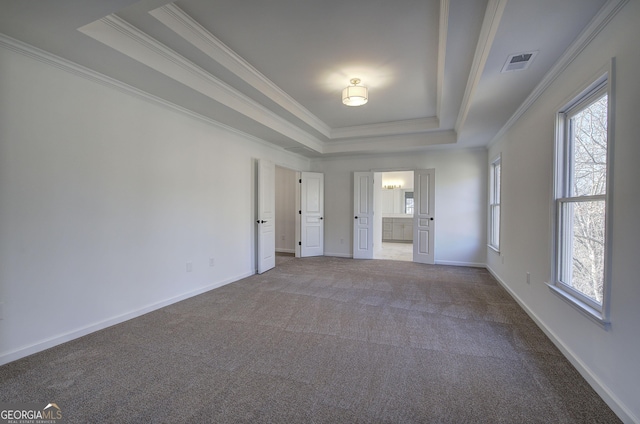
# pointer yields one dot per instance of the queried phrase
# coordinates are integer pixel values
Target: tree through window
(495, 179)
(588, 130)
(581, 200)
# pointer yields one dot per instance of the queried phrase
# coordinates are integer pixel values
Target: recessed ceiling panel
(312, 49)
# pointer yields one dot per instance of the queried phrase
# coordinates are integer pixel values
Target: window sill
(495, 249)
(586, 310)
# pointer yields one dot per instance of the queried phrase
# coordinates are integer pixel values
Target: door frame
(378, 237)
(297, 205)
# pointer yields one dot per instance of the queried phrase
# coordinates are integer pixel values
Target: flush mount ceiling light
(355, 95)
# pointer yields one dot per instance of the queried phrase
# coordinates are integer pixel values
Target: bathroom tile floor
(395, 251)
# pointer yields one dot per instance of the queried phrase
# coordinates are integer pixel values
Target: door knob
(356, 217)
(321, 218)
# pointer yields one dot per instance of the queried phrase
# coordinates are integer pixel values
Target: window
(495, 176)
(581, 204)
(408, 202)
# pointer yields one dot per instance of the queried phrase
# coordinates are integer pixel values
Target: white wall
(460, 200)
(608, 359)
(104, 198)
(286, 187)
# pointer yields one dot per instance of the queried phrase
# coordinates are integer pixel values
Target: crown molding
(65, 65)
(597, 24)
(185, 26)
(383, 145)
(393, 143)
(130, 41)
(492, 17)
(387, 128)
(125, 38)
(443, 29)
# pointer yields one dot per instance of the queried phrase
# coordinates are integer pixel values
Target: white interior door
(266, 215)
(423, 217)
(363, 215)
(311, 214)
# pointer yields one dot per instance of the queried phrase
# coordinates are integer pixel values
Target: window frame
(404, 204)
(495, 202)
(601, 85)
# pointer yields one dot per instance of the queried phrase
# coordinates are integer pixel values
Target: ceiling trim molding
(602, 18)
(365, 145)
(186, 27)
(387, 128)
(65, 65)
(393, 143)
(443, 30)
(130, 41)
(431, 150)
(492, 17)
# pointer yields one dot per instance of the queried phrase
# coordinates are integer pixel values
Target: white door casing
(311, 214)
(424, 216)
(266, 216)
(363, 215)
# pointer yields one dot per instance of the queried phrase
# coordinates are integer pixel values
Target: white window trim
(600, 314)
(492, 185)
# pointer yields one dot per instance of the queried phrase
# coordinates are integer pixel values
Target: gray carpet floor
(319, 340)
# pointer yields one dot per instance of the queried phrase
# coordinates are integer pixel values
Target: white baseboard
(451, 263)
(11, 356)
(602, 389)
(338, 255)
(285, 250)
(456, 263)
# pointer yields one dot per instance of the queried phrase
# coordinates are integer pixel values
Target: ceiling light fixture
(355, 95)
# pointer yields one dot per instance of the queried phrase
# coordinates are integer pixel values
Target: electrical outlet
(528, 278)
(212, 262)
(189, 266)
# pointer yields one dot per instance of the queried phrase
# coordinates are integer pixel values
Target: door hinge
(299, 212)
(299, 243)
(300, 180)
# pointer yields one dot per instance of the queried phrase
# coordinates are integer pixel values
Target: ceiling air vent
(518, 61)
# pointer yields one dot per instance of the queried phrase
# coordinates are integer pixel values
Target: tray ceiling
(275, 70)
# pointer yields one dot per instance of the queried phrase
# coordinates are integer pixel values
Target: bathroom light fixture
(355, 95)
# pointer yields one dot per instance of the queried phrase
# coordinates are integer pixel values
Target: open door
(311, 214)
(266, 215)
(363, 215)
(423, 218)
